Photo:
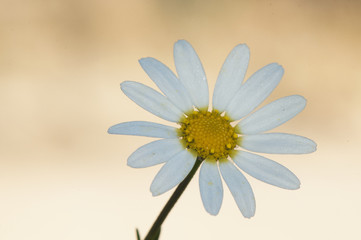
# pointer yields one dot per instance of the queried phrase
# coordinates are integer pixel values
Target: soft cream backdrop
(61, 61)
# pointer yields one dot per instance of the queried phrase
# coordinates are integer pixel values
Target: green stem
(171, 202)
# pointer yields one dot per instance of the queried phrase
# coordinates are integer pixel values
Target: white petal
(147, 129)
(254, 91)
(239, 187)
(230, 77)
(210, 186)
(151, 100)
(168, 83)
(155, 153)
(173, 172)
(266, 170)
(273, 114)
(190, 72)
(279, 143)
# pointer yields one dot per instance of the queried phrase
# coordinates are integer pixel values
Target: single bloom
(224, 135)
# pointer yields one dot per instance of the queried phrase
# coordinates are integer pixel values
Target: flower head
(214, 134)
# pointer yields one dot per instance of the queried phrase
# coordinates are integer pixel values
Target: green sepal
(138, 235)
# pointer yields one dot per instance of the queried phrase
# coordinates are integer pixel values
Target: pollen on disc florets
(209, 134)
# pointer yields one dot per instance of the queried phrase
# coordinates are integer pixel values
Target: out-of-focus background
(61, 62)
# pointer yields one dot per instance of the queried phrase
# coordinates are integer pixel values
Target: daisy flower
(222, 136)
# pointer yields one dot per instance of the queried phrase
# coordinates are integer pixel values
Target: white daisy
(214, 135)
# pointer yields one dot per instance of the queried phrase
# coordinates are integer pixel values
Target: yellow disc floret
(209, 134)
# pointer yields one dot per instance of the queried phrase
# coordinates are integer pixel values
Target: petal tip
(111, 130)
(141, 60)
(182, 45)
(295, 186)
(154, 192)
(130, 163)
(181, 42)
(301, 97)
(280, 68)
(243, 46)
(213, 213)
(145, 60)
(124, 84)
(313, 146)
(276, 67)
(249, 214)
(302, 100)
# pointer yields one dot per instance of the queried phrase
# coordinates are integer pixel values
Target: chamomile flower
(214, 134)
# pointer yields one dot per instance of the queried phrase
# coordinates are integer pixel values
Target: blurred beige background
(63, 177)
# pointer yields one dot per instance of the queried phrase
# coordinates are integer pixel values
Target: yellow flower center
(209, 134)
